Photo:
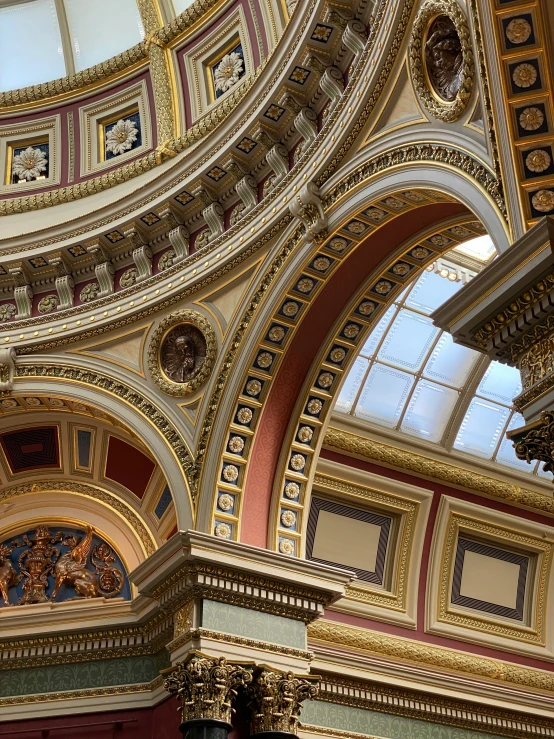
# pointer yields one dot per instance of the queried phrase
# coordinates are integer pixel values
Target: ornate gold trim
(200, 633)
(435, 469)
(193, 318)
(431, 9)
(406, 650)
(24, 700)
(533, 632)
(89, 491)
(132, 397)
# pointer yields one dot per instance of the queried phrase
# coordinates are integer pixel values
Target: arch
(420, 175)
(118, 399)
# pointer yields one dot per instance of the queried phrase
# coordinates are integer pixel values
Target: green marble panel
(253, 624)
(82, 675)
(373, 723)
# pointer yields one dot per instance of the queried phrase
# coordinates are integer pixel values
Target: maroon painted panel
(31, 448)
(128, 466)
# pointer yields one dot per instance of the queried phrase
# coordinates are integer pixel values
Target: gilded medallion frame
(438, 107)
(198, 321)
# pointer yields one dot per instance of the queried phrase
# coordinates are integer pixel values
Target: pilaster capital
(275, 699)
(206, 686)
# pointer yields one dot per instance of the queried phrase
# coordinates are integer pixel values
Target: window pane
(506, 453)
(430, 291)
(30, 45)
(351, 385)
(542, 473)
(375, 336)
(429, 410)
(408, 340)
(480, 248)
(500, 383)
(450, 363)
(100, 29)
(384, 395)
(481, 428)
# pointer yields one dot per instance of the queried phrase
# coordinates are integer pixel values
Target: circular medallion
(182, 352)
(441, 59)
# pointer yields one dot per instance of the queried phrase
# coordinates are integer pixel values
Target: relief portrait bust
(441, 59)
(444, 58)
(182, 352)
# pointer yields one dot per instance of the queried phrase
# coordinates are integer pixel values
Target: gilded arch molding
(156, 427)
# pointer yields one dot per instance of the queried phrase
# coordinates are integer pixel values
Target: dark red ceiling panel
(128, 466)
(32, 448)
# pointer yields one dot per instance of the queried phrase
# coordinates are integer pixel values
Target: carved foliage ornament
(441, 59)
(182, 352)
(205, 686)
(536, 441)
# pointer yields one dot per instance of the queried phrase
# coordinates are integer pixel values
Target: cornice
(434, 469)
(407, 650)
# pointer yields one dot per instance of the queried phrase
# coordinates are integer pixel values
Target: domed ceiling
(69, 36)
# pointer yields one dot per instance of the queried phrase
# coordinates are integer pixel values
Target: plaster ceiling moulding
(441, 59)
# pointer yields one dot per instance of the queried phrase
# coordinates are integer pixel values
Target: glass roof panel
(352, 384)
(101, 29)
(480, 248)
(500, 383)
(408, 341)
(506, 453)
(429, 410)
(384, 394)
(481, 428)
(450, 363)
(375, 336)
(25, 61)
(431, 291)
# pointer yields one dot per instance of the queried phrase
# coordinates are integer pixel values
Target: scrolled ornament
(441, 59)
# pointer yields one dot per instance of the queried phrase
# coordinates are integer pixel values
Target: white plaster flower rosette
(228, 71)
(30, 164)
(121, 137)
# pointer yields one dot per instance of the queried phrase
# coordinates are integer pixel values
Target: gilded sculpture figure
(71, 569)
(9, 578)
(41, 562)
(182, 353)
(444, 58)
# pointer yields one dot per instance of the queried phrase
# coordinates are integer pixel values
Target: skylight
(411, 377)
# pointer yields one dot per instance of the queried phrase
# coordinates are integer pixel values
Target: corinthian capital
(206, 686)
(276, 698)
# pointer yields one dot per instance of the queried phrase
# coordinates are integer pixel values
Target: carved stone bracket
(535, 441)
(104, 269)
(22, 292)
(65, 285)
(275, 699)
(307, 206)
(205, 686)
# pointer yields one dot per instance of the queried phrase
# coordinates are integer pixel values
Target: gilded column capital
(275, 699)
(206, 686)
(535, 441)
